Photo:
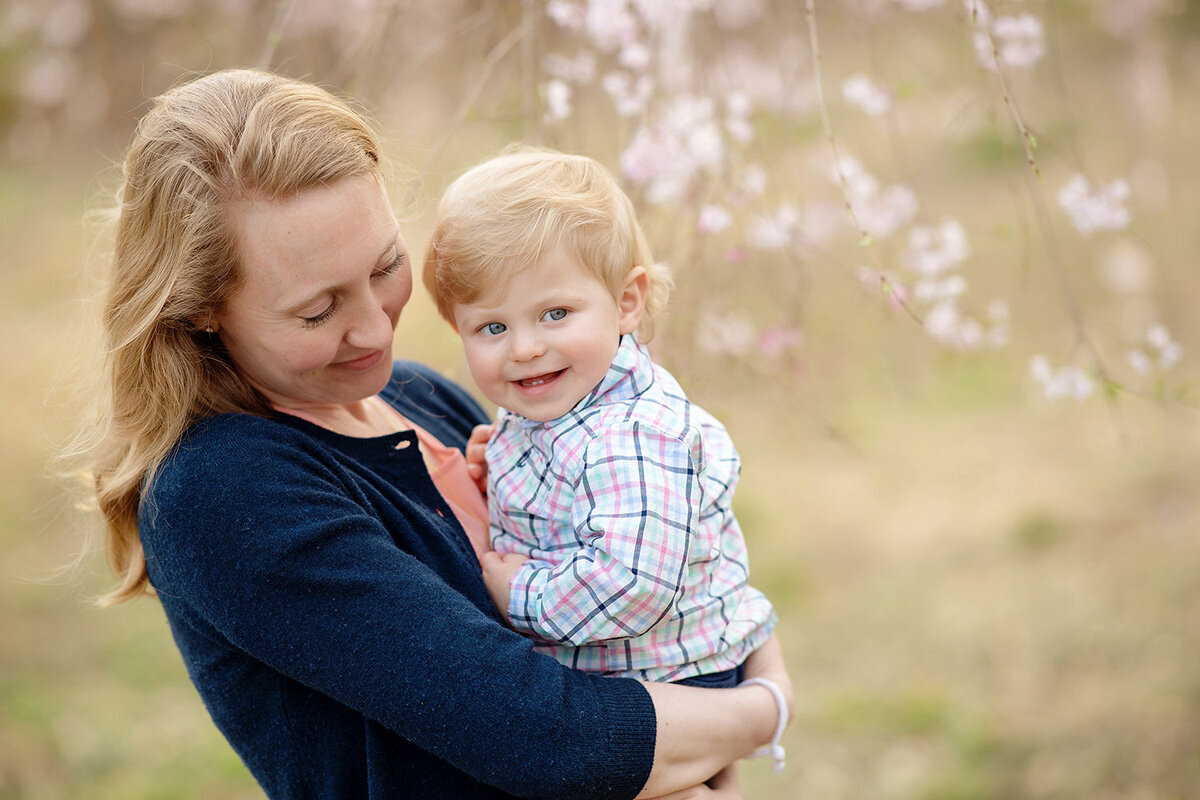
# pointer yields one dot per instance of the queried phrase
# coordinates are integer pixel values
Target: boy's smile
(541, 343)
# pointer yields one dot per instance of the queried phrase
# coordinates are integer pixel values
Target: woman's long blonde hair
(202, 148)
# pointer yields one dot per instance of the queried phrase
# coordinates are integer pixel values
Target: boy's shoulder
(662, 405)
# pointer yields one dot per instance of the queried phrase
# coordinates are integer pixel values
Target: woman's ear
(632, 302)
(204, 321)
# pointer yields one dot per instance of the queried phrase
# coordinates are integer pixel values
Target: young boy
(609, 494)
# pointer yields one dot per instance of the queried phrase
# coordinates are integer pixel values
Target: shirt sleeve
(268, 547)
(635, 509)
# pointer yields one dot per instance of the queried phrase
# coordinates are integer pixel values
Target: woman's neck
(362, 418)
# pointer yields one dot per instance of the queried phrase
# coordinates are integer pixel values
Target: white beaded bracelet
(774, 749)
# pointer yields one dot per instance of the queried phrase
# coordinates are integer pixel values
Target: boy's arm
(637, 504)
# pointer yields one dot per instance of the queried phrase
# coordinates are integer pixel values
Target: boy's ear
(632, 302)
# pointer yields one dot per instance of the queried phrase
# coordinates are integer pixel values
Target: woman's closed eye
(314, 321)
(391, 268)
(555, 315)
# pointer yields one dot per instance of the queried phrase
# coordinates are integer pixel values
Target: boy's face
(540, 344)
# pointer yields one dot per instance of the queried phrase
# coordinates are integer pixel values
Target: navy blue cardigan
(331, 614)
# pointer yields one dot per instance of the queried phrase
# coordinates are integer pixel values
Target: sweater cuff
(632, 732)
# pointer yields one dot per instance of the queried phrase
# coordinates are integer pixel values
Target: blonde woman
(300, 504)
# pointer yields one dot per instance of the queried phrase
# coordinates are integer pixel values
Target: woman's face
(325, 275)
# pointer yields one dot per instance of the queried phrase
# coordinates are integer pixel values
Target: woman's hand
(722, 786)
(498, 571)
(476, 462)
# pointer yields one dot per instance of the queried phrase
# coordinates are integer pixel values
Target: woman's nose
(372, 328)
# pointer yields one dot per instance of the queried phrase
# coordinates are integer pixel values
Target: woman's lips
(362, 362)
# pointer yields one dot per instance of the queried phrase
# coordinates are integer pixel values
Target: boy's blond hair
(511, 211)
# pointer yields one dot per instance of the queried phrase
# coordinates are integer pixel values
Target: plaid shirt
(637, 565)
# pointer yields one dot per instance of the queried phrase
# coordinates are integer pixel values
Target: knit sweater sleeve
(262, 539)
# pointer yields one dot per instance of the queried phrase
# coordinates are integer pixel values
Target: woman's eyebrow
(294, 307)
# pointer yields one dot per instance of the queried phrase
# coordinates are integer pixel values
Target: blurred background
(936, 270)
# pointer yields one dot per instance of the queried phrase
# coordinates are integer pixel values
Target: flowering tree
(775, 148)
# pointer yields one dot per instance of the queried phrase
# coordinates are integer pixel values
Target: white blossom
(580, 68)
(930, 290)
(872, 98)
(610, 24)
(754, 180)
(1099, 210)
(932, 251)
(731, 334)
(771, 231)
(634, 56)
(1169, 351)
(556, 94)
(1069, 381)
(1140, 362)
(629, 96)
(1019, 41)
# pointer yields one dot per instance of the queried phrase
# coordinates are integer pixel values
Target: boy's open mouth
(538, 380)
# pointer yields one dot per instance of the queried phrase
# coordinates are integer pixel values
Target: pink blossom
(713, 219)
(566, 14)
(774, 341)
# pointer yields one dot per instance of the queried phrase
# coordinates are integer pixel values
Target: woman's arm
(699, 734)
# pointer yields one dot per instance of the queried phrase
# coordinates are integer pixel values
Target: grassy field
(983, 595)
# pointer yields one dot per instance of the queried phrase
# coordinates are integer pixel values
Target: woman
(294, 498)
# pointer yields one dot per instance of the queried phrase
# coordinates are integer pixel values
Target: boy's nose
(526, 347)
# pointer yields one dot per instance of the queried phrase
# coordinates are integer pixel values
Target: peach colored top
(448, 469)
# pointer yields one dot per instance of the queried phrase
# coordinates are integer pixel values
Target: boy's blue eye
(556, 314)
(494, 328)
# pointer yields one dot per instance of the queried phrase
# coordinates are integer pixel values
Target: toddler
(609, 493)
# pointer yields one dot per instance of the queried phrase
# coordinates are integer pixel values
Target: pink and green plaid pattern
(638, 566)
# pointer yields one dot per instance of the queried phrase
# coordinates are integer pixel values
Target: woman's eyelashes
(312, 322)
(390, 269)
